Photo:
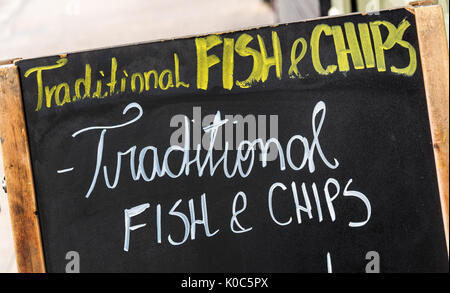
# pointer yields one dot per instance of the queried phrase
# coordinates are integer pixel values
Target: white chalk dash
(64, 170)
(329, 265)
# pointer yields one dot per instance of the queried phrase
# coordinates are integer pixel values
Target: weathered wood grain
(435, 67)
(18, 173)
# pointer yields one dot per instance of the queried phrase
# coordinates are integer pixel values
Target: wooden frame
(18, 174)
(16, 153)
(434, 56)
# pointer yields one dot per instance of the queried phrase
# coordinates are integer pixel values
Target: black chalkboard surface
(119, 178)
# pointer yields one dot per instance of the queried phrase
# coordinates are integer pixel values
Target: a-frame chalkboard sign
(120, 157)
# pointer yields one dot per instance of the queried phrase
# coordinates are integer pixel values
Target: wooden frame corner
(18, 174)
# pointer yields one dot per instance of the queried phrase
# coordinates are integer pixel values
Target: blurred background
(32, 28)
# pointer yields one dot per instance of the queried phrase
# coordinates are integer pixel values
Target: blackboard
(343, 100)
